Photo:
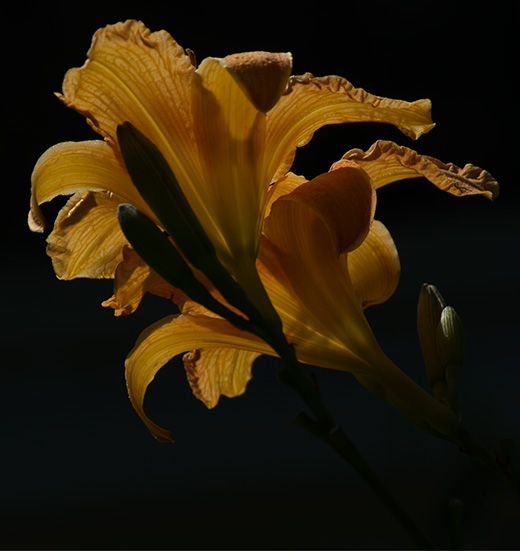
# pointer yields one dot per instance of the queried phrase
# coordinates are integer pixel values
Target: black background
(79, 470)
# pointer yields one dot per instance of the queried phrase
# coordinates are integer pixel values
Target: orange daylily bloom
(228, 129)
(323, 260)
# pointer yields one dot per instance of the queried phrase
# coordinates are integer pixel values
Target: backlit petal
(306, 243)
(134, 278)
(230, 134)
(374, 266)
(308, 333)
(310, 103)
(86, 240)
(175, 335)
(145, 78)
(387, 162)
(213, 372)
(69, 167)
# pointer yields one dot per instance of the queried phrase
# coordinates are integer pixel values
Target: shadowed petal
(213, 372)
(86, 240)
(230, 134)
(134, 278)
(262, 75)
(308, 229)
(374, 266)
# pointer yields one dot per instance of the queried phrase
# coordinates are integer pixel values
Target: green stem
(325, 428)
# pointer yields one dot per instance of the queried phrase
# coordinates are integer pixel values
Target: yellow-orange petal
(213, 372)
(145, 78)
(86, 240)
(374, 266)
(132, 279)
(387, 162)
(283, 186)
(262, 75)
(69, 167)
(230, 135)
(305, 330)
(171, 336)
(310, 103)
(305, 238)
(344, 200)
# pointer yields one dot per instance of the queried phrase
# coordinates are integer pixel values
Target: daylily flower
(228, 129)
(323, 259)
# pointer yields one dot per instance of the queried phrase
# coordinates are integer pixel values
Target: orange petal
(69, 167)
(134, 278)
(387, 162)
(310, 103)
(374, 266)
(344, 200)
(213, 372)
(145, 78)
(230, 134)
(86, 240)
(308, 229)
(171, 336)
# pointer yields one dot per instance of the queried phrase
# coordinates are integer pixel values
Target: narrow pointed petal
(213, 372)
(69, 167)
(374, 266)
(310, 103)
(175, 335)
(387, 162)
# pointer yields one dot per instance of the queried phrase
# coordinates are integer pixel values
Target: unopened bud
(441, 335)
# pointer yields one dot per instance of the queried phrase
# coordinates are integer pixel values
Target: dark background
(79, 469)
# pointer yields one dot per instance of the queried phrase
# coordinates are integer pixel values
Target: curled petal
(213, 372)
(310, 103)
(343, 199)
(387, 162)
(86, 240)
(283, 186)
(374, 266)
(171, 336)
(307, 229)
(69, 167)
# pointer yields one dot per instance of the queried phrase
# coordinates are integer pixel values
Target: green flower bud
(429, 310)
(441, 335)
(451, 344)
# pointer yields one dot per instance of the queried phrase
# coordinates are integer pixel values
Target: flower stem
(325, 428)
